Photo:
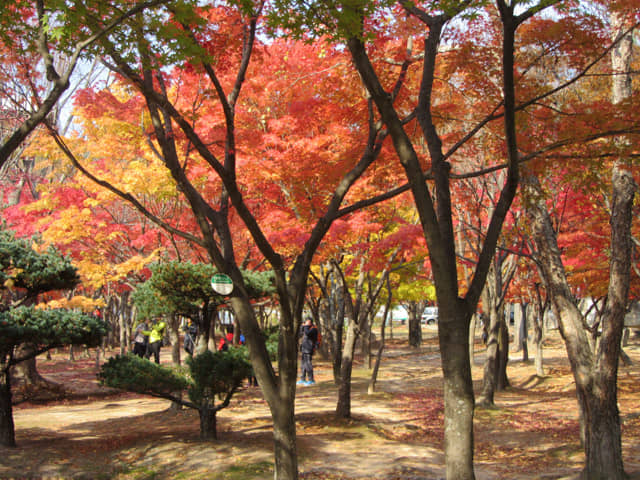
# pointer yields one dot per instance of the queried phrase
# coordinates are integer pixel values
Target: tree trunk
(284, 437)
(173, 331)
(343, 408)
(337, 308)
(415, 332)
(502, 381)
(211, 339)
(472, 337)
(279, 391)
(497, 356)
(415, 310)
(534, 312)
(7, 428)
(625, 336)
(376, 367)
(365, 340)
(594, 367)
(489, 381)
(539, 358)
(453, 334)
(208, 422)
(602, 437)
(122, 324)
(524, 332)
(27, 370)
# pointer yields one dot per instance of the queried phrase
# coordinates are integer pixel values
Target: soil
(396, 433)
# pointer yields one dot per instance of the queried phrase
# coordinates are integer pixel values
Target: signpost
(222, 284)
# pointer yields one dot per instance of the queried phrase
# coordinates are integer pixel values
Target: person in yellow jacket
(155, 340)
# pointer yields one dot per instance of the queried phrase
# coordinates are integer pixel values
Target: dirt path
(395, 433)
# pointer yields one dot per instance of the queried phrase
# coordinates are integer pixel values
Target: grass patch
(241, 472)
(139, 473)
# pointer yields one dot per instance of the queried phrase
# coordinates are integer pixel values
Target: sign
(222, 284)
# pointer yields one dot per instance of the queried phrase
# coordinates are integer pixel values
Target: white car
(430, 315)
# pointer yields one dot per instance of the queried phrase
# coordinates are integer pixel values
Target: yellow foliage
(135, 264)
(95, 273)
(77, 302)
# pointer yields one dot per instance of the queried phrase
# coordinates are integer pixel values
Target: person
(156, 335)
(140, 340)
(225, 341)
(191, 332)
(309, 334)
(251, 379)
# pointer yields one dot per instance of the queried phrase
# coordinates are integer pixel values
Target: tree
(594, 362)
(220, 57)
(360, 300)
(211, 374)
(455, 311)
(38, 49)
(494, 295)
(25, 275)
(184, 289)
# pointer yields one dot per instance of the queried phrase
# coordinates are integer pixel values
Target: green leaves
(335, 19)
(25, 274)
(210, 373)
(182, 287)
(139, 375)
(49, 328)
(217, 372)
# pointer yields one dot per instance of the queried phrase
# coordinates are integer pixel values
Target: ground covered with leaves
(394, 434)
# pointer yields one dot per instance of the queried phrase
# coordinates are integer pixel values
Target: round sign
(222, 284)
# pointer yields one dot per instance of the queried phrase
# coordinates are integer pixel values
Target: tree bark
(415, 310)
(208, 422)
(122, 327)
(173, 331)
(27, 370)
(495, 367)
(7, 427)
(343, 408)
(279, 392)
(337, 309)
(472, 337)
(489, 380)
(376, 366)
(458, 393)
(503, 355)
(522, 326)
(594, 364)
(536, 313)
(284, 437)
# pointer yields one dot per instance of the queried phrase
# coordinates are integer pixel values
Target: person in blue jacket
(309, 334)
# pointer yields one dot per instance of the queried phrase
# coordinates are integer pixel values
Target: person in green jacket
(155, 340)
